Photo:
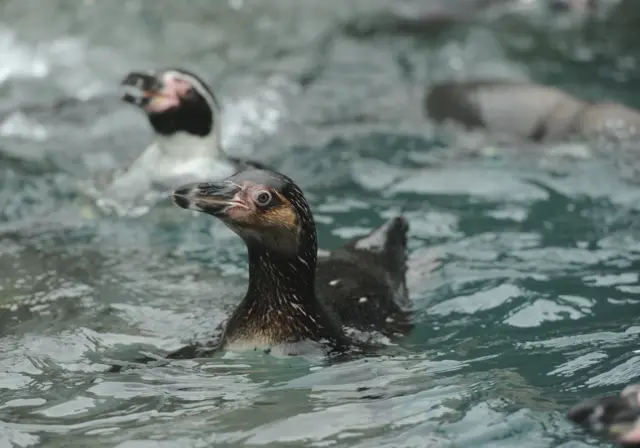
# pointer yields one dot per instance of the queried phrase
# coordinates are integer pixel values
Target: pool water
(524, 259)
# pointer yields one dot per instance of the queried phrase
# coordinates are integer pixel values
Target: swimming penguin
(524, 110)
(296, 303)
(292, 297)
(615, 418)
(185, 116)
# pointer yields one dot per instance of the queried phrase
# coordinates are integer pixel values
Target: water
(524, 264)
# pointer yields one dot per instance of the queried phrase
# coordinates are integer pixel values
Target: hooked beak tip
(139, 88)
(181, 200)
(184, 196)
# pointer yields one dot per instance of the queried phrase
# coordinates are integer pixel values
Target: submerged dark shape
(524, 110)
(295, 301)
(616, 418)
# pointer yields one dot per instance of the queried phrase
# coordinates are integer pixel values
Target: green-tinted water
(523, 271)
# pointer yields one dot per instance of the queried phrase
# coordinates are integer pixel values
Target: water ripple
(523, 258)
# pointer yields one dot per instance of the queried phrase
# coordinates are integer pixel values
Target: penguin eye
(262, 197)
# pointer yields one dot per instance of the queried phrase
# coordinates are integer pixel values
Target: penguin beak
(616, 418)
(213, 198)
(140, 89)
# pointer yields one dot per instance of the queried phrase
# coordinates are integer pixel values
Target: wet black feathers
(194, 115)
(365, 287)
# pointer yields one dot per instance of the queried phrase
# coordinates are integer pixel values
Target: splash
(18, 60)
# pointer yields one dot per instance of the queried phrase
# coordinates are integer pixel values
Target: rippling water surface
(524, 263)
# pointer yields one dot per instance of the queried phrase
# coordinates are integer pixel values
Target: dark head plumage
(263, 207)
(174, 100)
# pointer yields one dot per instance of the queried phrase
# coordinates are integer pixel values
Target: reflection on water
(523, 266)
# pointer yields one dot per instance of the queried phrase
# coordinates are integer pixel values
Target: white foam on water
(20, 60)
(19, 125)
(254, 114)
(64, 60)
